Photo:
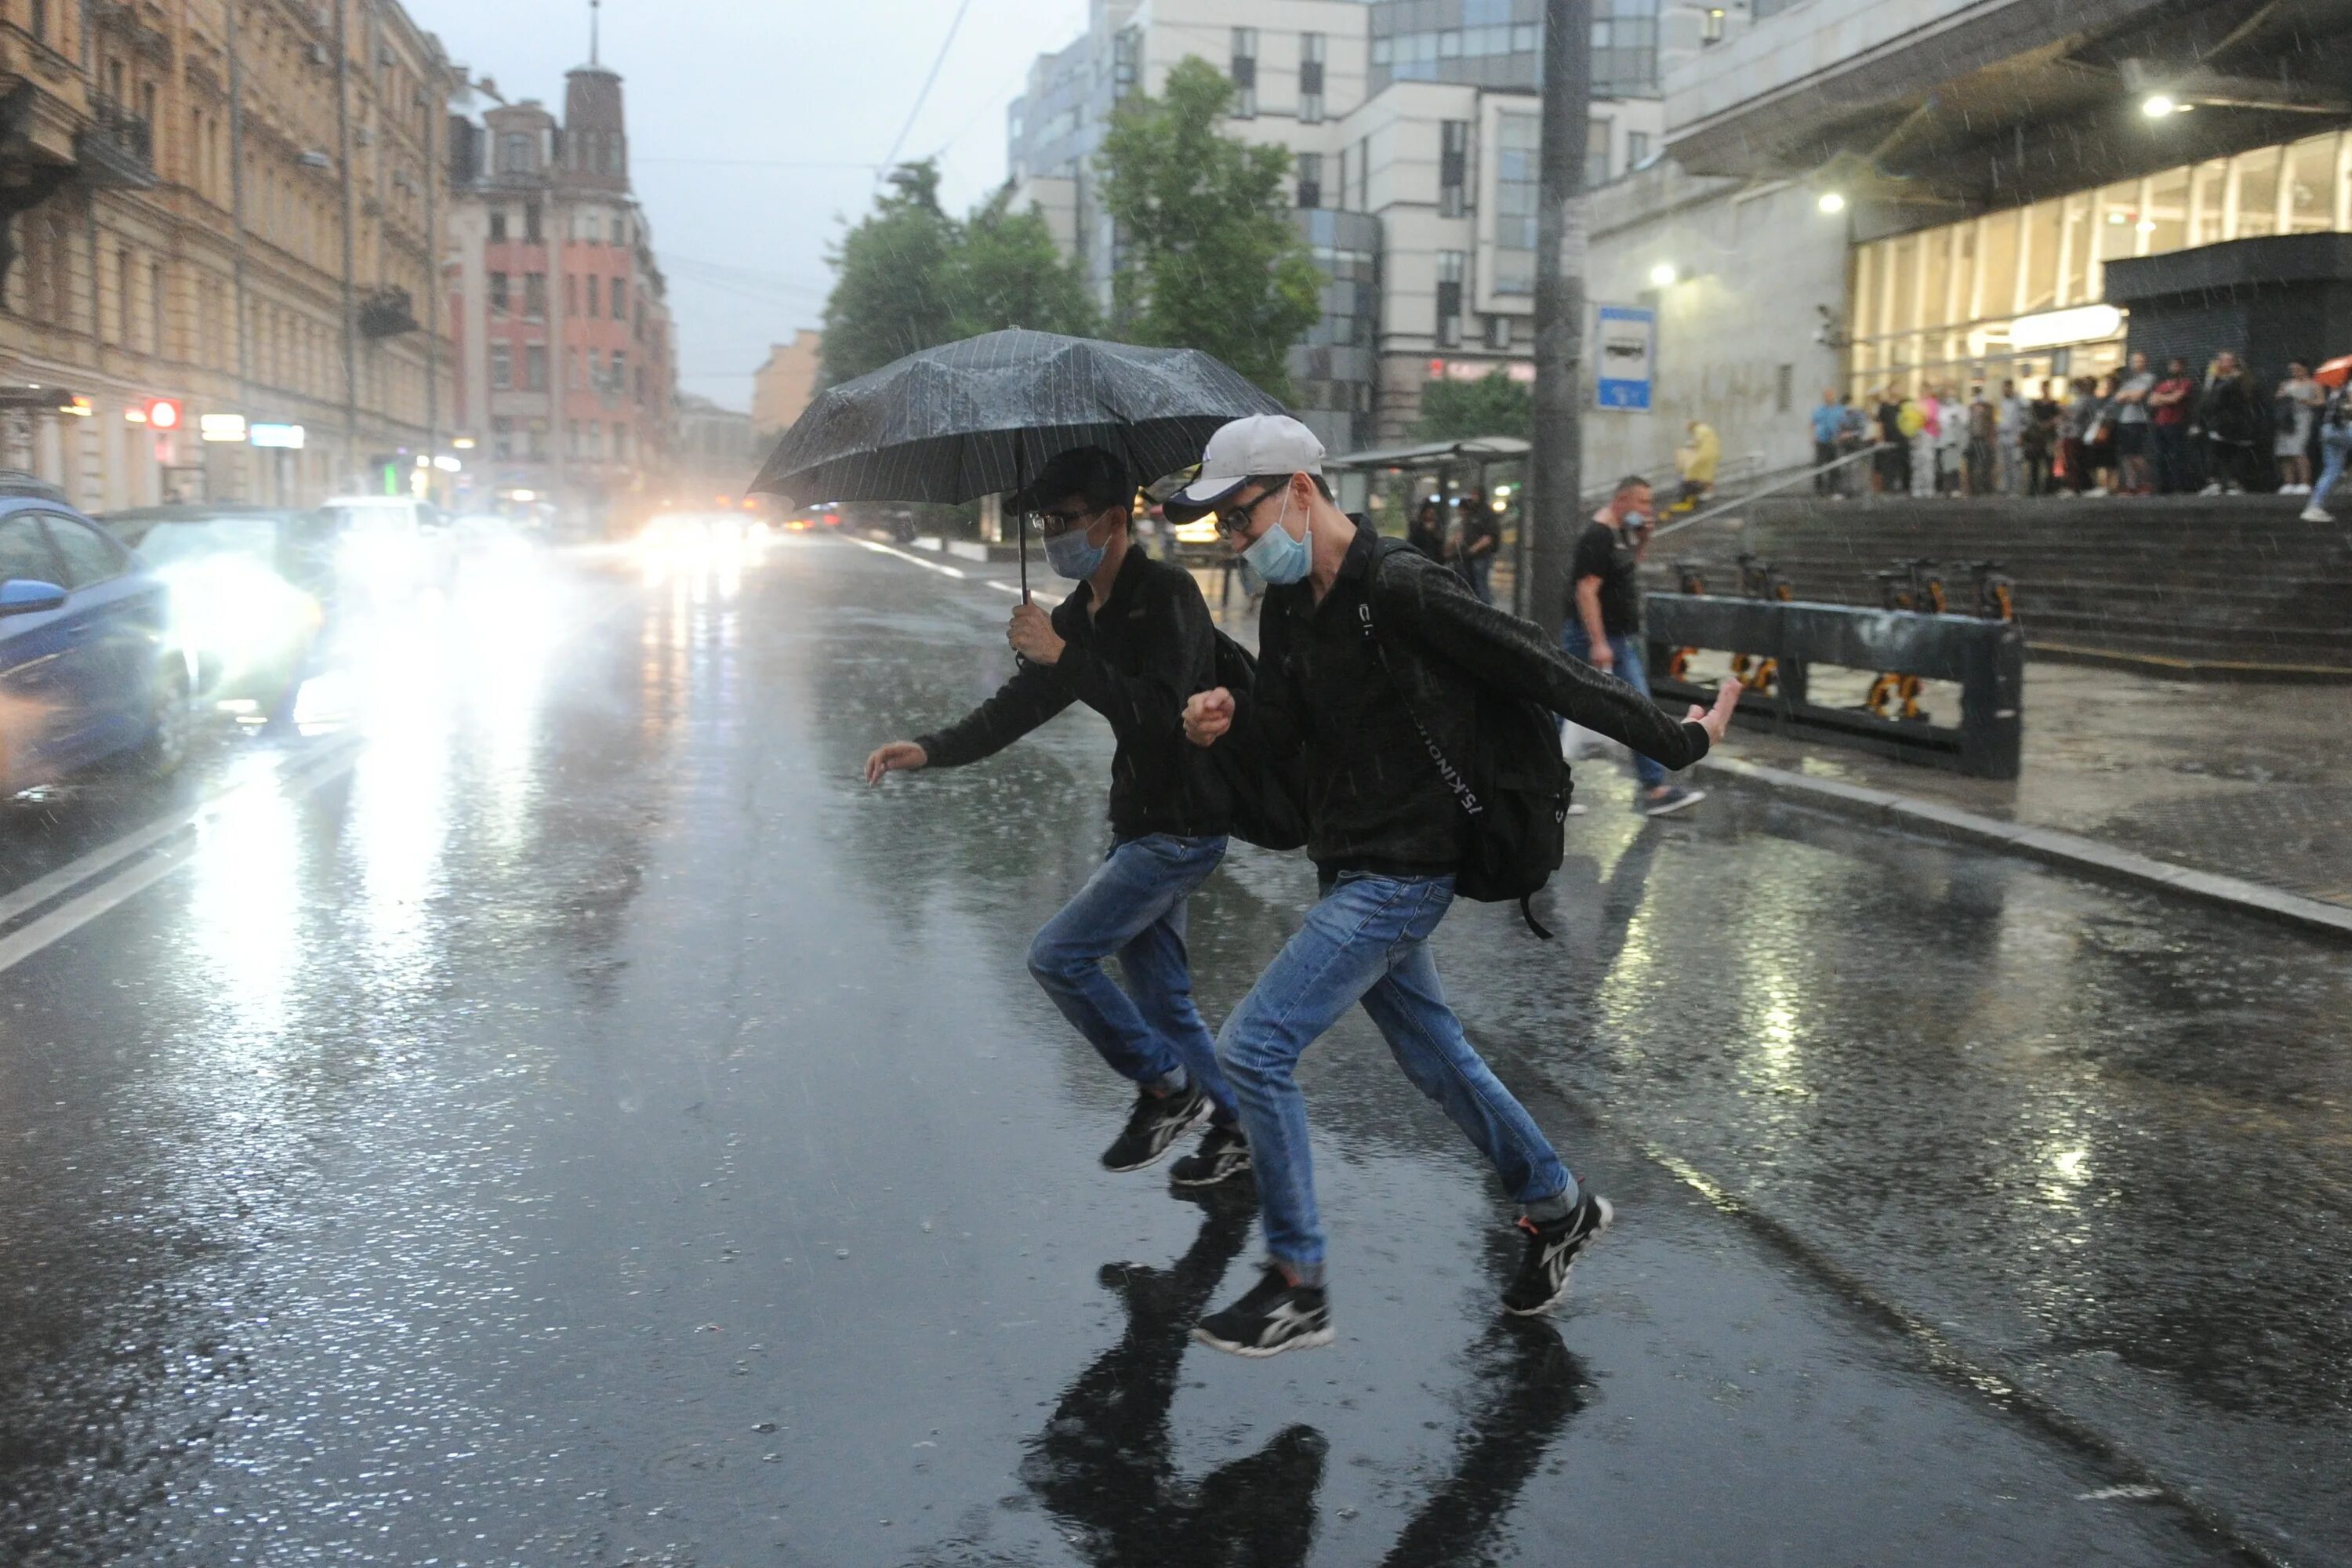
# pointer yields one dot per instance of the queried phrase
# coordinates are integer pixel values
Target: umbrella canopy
(978, 416)
(2335, 371)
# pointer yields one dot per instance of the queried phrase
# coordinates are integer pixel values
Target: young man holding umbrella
(1132, 642)
(1370, 665)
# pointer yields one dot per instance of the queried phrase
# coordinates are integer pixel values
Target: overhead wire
(890, 159)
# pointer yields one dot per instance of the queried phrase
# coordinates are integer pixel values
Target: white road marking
(67, 919)
(40, 890)
(2131, 1493)
(943, 570)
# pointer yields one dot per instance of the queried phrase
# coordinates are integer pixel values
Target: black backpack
(1268, 798)
(1513, 787)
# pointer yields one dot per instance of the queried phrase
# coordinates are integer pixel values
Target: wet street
(552, 1113)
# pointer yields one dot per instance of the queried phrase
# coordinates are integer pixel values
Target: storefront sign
(1628, 345)
(289, 438)
(221, 427)
(2082, 324)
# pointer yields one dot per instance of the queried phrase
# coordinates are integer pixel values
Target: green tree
(1008, 274)
(908, 276)
(1212, 258)
(1493, 404)
(894, 282)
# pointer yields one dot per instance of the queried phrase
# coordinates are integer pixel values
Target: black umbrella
(977, 417)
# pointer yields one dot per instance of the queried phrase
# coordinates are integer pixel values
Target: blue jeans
(2335, 449)
(1134, 906)
(1366, 939)
(1628, 650)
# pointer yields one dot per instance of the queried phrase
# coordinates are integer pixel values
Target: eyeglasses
(1059, 521)
(1233, 522)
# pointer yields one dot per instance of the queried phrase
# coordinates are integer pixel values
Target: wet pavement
(560, 1116)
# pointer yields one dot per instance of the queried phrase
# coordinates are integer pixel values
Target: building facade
(782, 386)
(1956, 193)
(1412, 124)
(715, 455)
(220, 219)
(568, 369)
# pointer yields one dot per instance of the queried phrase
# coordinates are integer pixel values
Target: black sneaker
(1552, 1250)
(1156, 1121)
(1223, 1154)
(1276, 1316)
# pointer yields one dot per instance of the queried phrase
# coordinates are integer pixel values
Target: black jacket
(1374, 800)
(1151, 647)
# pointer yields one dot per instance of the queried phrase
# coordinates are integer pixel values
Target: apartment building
(217, 226)
(1412, 124)
(568, 375)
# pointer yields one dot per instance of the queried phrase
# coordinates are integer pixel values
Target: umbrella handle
(1020, 484)
(1024, 557)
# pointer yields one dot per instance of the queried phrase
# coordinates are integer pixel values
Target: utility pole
(350, 240)
(1556, 469)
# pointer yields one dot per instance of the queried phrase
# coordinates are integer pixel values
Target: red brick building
(567, 368)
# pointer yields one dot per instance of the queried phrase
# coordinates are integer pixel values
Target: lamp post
(1556, 467)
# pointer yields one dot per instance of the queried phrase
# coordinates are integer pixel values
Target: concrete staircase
(2221, 587)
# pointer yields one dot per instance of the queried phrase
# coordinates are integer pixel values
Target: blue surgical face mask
(1276, 554)
(1074, 555)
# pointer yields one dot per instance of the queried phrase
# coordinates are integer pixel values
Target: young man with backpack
(1400, 694)
(1132, 642)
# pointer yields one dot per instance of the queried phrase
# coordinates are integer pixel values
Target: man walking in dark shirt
(1371, 661)
(1132, 643)
(1604, 621)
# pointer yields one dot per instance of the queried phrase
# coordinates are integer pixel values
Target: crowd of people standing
(1468, 542)
(2132, 432)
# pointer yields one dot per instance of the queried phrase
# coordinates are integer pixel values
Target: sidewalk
(2252, 783)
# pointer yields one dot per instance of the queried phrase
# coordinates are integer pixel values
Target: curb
(2068, 851)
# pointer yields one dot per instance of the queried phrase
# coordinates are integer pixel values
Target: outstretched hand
(1716, 720)
(898, 756)
(1208, 715)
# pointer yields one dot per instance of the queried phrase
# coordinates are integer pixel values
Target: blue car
(89, 671)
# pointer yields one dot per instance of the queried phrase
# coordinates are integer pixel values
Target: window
(1710, 27)
(617, 378)
(1453, 167)
(620, 298)
(1244, 72)
(595, 370)
(156, 314)
(620, 442)
(1637, 150)
(498, 293)
(620, 229)
(1310, 180)
(122, 305)
(1517, 159)
(1498, 331)
(534, 296)
(502, 438)
(1624, 49)
(514, 153)
(1596, 153)
(571, 294)
(25, 553)
(534, 369)
(1450, 268)
(498, 225)
(1310, 78)
(1784, 388)
(40, 22)
(88, 556)
(572, 368)
(535, 440)
(501, 366)
(593, 291)
(531, 232)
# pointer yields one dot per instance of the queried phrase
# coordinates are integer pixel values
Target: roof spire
(593, 6)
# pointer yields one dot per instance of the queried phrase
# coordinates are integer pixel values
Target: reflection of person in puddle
(1102, 1464)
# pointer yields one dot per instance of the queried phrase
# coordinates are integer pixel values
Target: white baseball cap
(1261, 444)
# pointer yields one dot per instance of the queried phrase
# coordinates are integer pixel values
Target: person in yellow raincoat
(1696, 460)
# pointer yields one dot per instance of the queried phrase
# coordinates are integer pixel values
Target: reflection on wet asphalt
(577, 1122)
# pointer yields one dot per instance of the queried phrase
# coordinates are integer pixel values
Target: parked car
(389, 547)
(251, 590)
(89, 670)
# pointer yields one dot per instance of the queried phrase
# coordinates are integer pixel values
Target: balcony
(117, 150)
(387, 313)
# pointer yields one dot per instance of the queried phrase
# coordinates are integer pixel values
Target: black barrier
(1986, 658)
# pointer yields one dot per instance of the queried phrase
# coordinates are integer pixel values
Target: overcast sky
(725, 95)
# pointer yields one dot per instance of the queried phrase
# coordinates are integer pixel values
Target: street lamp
(1663, 275)
(2158, 104)
(1832, 201)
